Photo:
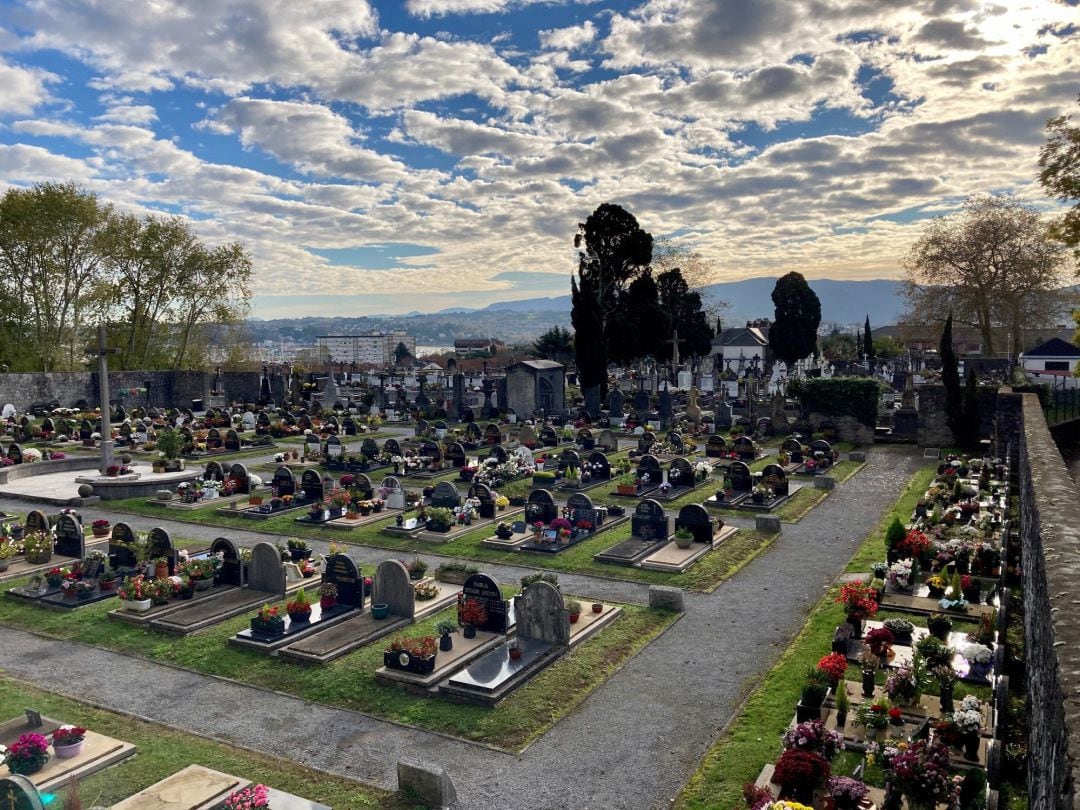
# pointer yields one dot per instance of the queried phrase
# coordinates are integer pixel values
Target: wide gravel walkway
(632, 744)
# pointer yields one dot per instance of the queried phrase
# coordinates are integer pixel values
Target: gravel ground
(632, 744)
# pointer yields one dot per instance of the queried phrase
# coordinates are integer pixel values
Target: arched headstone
(445, 495)
(431, 450)
(540, 506)
(607, 441)
(649, 522)
(391, 447)
(120, 556)
(36, 521)
(14, 452)
(213, 439)
(739, 475)
(368, 448)
(266, 571)
(540, 614)
(455, 454)
(239, 474)
(498, 452)
(311, 483)
(335, 450)
(483, 493)
(232, 441)
(548, 436)
(17, 792)
(69, 537)
(363, 483)
(648, 469)
(393, 492)
(232, 569)
(697, 521)
(774, 476)
(680, 473)
(341, 571)
(492, 434)
(214, 471)
(283, 482)
(527, 436)
(161, 547)
(569, 458)
(484, 589)
(599, 466)
(348, 425)
(394, 589)
(716, 447)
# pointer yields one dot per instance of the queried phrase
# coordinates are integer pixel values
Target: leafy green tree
(616, 250)
(838, 345)
(793, 334)
(641, 329)
(684, 312)
(888, 347)
(555, 344)
(1059, 160)
(401, 353)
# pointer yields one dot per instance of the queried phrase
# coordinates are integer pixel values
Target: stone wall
(934, 428)
(164, 388)
(848, 428)
(1050, 535)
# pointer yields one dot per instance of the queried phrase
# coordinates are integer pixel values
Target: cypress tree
(950, 378)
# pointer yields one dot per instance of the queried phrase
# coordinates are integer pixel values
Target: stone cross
(103, 351)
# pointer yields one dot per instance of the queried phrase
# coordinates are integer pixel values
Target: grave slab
(341, 639)
(20, 568)
(320, 620)
(493, 676)
(193, 616)
(531, 545)
(99, 752)
(137, 619)
(464, 652)
(673, 559)
(193, 788)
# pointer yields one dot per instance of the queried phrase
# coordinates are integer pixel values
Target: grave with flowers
(48, 753)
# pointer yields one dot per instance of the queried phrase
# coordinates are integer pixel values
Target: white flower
(971, 704)
(976, 653)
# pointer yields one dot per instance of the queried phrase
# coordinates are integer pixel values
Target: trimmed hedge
(841, 396)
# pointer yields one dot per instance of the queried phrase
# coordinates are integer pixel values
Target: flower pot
(574, 617)
(81, 595)
(515, 653)
(415, 576)
(352, 515)
(300, 617)
(299, 554)
(137, 605)
(161, 570)
(597, 607)
(868, 684)
(947, 699)
(5, 563)
(380, 611)
(469, 631)
(804, 713)
(504, 534)
(53, 582)
(28, 767)
(39, 557)
(273, 627)
(100, 531)
(684, 542)
(68, 751)
(971, 746)
(327, 602)
(871, 733)
(204, 584)
(446, 642)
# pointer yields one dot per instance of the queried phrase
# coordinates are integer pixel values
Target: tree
(950, 378)
(993, 264)
(868, 344)
(968, 436)
(793, 334)
(888, 347)
(699, 273)
(401, 353)
(1059, 160)
(838, 345)
(616, 250)
(555, 344)
(639, 304)
(684, 313)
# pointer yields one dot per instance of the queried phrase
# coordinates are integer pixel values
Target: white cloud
(23, 88)
(569, 39)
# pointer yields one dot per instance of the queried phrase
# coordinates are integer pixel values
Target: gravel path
(632, 744)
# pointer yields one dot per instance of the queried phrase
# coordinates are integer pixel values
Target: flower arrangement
(902, 687)
(976, 653)
(27, 754)
(299, 604)
(134, 589)
(858, 600)
(968, 719)
(252, 797)
(914, 544)
(813, 736)
(899, 627)
(203, 568)
(873, 715)
(799, 770)
(31, 454)
(834, 665)
(471, 611)
(879, 640)
(868, 662)
(934, 651)
(900, 575)
(68, 735)
(922, 772)
(423, 647)
(100, 523)
(269, 613)
(846, 792)
(425, 592)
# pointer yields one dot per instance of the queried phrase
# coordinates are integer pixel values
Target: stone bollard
(824, 482)
(857, 455)
(666, 598)
(767, 524)
(931, 452)
(428, 783)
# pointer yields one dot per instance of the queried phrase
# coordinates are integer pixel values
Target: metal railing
(1062, 405)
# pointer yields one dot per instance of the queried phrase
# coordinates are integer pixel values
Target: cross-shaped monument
(103, 351)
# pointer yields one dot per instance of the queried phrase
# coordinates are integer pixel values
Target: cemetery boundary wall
(163, 388)
(1050, 537)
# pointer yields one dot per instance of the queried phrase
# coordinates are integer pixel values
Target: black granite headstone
(649, 522)
(485, 590)
(342, 572)
(483, 493)
(540, 507)
(695, 519)
(69, 537)
(445, 495)
(232, 569)
(311, 483)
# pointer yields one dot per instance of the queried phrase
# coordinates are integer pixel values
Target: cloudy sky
(392, 155)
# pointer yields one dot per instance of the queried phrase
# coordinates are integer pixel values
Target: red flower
(834, 665)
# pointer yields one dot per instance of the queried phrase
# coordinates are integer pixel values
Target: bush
(841, 396)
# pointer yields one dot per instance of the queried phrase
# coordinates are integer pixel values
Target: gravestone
(391, 447)
(262, 423)
(248, 421)
(527, 436)
(363, 483)
(431, 450)
(486, 591)
(498, 452)
(213, 439)
(615, 403)
(14, 453)
(641, 402)
(445, 495)
(394, 589)
(579, 506)
(36, 521)
(647, 440)
(599, 466)
(17, 792)
(666, 407)
(794, 450)
(214, 471)
(592, 400)
(723, 415)
(331, 423)
(780, 483)
(265, 572)
(540, 507)
(232, 441)
(744, 446)
(648, 470)
(312, 485)
(312, 444)
(160, 545)
(483, 493)
(765, 427)
(680, 473)
(69, 537)
(548, 436)
(675, 441)
(740, 477)
(304, 422)
(125, 433)
(569, 458)
(492, 434)
(695, 519)
(606, 441)
(239, 474)
(342, 572)
(473, 433)
(119, 555)
(232, 569)
(86, 433)
(649, 522)
(335, 450)
(393, 493)
(421, 428)
(586, 439)
(348, 425)
(540, 614)
(283, 482)
(455, 454)
(368, 448)
(715, 447)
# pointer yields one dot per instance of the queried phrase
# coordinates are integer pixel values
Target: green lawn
(350, 682)
(162, 751)
(753, 738)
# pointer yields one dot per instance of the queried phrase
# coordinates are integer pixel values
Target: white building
(372, 348)
(1053, 363)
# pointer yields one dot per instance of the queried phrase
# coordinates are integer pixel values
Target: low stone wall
(848, 428)
(1050, 534)
(25, 470)
(934, 428)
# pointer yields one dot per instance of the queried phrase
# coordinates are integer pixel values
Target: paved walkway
(632, 744)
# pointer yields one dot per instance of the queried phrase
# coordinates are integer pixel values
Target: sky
(384, 156)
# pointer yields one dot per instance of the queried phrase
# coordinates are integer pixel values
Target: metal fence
(1062, 405)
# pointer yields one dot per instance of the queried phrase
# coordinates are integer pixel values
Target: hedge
(841, 396)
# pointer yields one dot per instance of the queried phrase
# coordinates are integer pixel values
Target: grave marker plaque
(69, 537)
(334, 448)
(486, 591)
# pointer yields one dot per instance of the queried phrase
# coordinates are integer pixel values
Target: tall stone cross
(103, 351)
(674, 341)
